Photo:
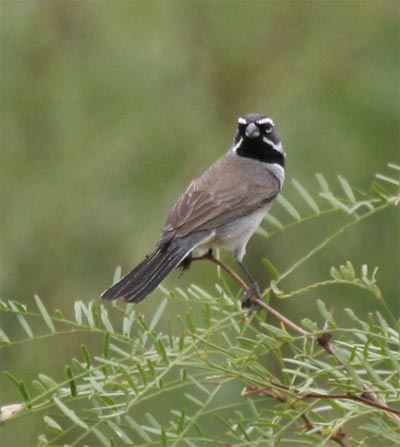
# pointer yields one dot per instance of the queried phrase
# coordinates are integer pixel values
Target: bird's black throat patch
(261, 151)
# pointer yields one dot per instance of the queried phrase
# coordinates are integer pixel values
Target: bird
(220, 209)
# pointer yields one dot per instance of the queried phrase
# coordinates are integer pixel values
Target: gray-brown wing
(212, 201)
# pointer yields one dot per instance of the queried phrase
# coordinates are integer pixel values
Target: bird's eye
(268, 127)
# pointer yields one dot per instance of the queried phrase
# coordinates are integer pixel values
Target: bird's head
(257, 137)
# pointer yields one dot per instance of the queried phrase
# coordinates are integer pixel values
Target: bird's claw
(247, 302)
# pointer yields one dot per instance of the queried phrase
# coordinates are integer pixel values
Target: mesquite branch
(324, 340)
(255, 299)
(338, 436)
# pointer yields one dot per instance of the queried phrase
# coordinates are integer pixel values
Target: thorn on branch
(324, 339)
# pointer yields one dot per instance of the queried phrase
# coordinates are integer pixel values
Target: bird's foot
(247, 302)
(185, 264)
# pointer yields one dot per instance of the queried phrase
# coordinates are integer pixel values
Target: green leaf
(78, 305)
(289, 207)
(394, 166)
(262, 232)
(380, 190)
(162, 352)
(387, 179)
(138, 429)
(39, 386)
(3, 338)
(306, 196)
(274, 221)
(59, 314)
(105, 319)
(120, 433)
(309, 325)
(183, 375)
(275, 288)
(392, 358)
(24, 393)
(72, 383)
(70, 413)
(347, 189)
(181, 422)
(142, 373)
(345, 357)
(117, 274)
(322, 183)
(271, 268)
(348, 271)
(383, 324)
(128, 323)
(130, 380)
(199, 385)
(182, 342)
(194, 400)
(191, 321)
(52, 424)
(335, 274)
(48, 381)
(19, 309)
(164, 439)
(12, 379)
(3, 306)
(335, 202)
(44, 313)
(92, 316)
(103, 439)
(150, 367)
(353, 316)
(86, 355)
(153, 421)
(282, 334)
(158, 314)
(325, 313)
(106, 345)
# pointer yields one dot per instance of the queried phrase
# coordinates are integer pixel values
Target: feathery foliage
(246, 380)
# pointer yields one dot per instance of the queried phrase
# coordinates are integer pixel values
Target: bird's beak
(252, 131)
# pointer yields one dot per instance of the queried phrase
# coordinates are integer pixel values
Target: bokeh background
(110, 108)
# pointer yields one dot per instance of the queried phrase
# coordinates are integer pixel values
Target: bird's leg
(254, 287)
(187, 262)
(209, 256)
(249, 291)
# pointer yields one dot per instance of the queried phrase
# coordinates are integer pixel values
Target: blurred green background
(110, 108)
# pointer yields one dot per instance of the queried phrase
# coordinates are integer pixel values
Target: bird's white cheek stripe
(237, 145)
(242, 121)
(277, 147)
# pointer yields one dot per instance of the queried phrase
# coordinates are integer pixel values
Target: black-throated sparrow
(222, 208)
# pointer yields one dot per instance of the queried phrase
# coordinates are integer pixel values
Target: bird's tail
(137, 284)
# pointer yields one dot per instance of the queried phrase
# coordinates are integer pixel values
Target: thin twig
(313, 394)
(255, 299)
(324, 340)
(338, 436)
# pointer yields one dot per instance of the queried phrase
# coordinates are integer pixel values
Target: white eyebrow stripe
(242, 121)
(237, 145)
(265, 121)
